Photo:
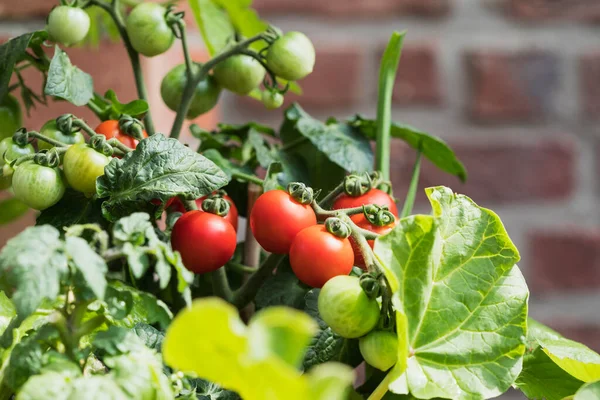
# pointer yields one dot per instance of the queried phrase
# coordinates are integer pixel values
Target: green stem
(134, 57)
(247, 177)
(248, 291)
(220, 284)
(412, 188)
(294, 143)
(387, 75)
(381, 389)
(186, 51)
(46, 139)
(190, 205)
(241, 267)
(115, 143)
(88, 327)
(188, 92)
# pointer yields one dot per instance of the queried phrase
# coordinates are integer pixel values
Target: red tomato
(111, 129)
(232, 215)
(206, 241)
(373, 196)
(317, 256)
(362, 222)
(276, 219)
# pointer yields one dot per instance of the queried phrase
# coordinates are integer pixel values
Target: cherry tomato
(37, 186)
(148, 30)
(11, 117)
(272, 100)
(373, 196)
(111, 129)
(346, 308)
(51, 130)
(276, 219)
(10, 151)
(317, 256)
(379, 349)
(232, 215)
(292, 56)
(239, 74)
(362, 222)
(82, 166)
(206, 94)
(68, 25)
(205, 241)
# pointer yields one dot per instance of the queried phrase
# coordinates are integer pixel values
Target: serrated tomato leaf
(462, 300)
(158, 169)
(68, 82)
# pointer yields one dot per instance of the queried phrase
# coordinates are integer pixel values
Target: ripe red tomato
(206, 241)
(232, 215)
(276, 219)
(362, 222)
(111, 129)
(317, 256)
(373, 196)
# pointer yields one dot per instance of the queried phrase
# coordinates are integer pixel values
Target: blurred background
(512, 85)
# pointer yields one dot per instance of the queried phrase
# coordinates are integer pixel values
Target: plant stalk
(248, 291)
(220, 284)
(412, 188)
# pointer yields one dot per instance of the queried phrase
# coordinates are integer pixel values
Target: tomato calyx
(378, 215)
(131, 126)
(65, 124)
(216, 205)
(99, 143)
(337, 227)
(301, 193)
(357, 185)
(21, 137)
(370, 285)
(48, 158)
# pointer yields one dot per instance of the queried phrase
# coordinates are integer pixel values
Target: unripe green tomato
(272, 100)
(10, 151)
(379, 349)
(239, 74)
(37, 186)
(51, 130)
(292, 56)
(68, 25)
(11, 117)
(345, 307)
(82, 166)
(148, 30)
(6, 173)
(206, 94)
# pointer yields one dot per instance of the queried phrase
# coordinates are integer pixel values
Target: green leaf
(136, 108)
(13, 51)
(327, 345)
(89, 265)
(97, 388)
(590, 391)
(74, 208)
(541, 378)
(158, 169)
(228, 167)
(575, 358)
(7, 312)
(67, 81)
(115, 341)
(11, 209)
(271, 181)
(330, 381)
(134, 229)
(461, 300)
(432, 147)
(245, 20)
(205, 390)
(214, 24)
(243, 130)
(341, 143)
(150, 336)
(144, 307)
(264, 154)
(283, 288)
(31, 267)
(50, 385)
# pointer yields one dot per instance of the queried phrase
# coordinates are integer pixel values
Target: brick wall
(513, 85)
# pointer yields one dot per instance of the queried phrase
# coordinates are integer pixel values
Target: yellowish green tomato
(37, 186)
(239, 74)
(82, 166)
(272, 100)
(148, 30)
(51, 130)
(68, 25)
(379, 349)
(206, 93)
(292, 56)
(11, 117)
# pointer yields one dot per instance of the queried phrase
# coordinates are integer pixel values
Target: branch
(248, 291)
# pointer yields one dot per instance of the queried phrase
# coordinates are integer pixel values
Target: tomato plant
(277, 218)
(135, 283)
(206, 241)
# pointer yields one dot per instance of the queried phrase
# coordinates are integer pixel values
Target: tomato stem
(247, 177)
(113, 10)
(248, 291)
(46, 139)
(241, 267)
(188, 92)
(412, 188)
(381, 389)
(220, 284)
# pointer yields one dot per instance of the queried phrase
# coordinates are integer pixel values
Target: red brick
(498, 172)
(563, 10)
(589, 76)
(25, 9)
(354, 8)
(564, 260)
(511, 86)
(418, 81)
